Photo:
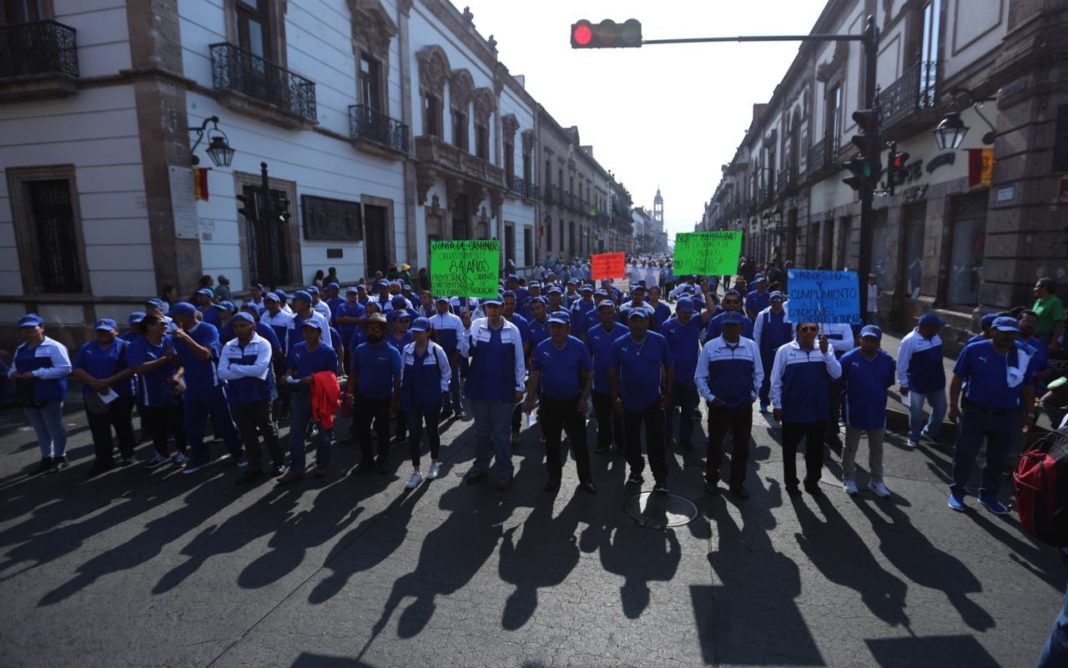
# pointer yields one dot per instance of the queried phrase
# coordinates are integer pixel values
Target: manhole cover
(659, 511)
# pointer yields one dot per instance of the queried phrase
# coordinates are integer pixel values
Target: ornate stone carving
(485, 105)
(433, 69)
(509, 125)
(372, 28)
(528, 141)
(461, 88)
(824, 71)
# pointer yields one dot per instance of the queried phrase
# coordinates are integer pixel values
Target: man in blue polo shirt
(641, 378)
(867, 373)
(599, 340)
(732, 301)
(561, 373)
(801, 379)
(683, 334)
(758, 299)
(922, 377)
(997, 377)
(197, 345)
(771, 331)
(581, 309)
(537, 323)
(306, 359)
(101, 365)
(729, 374)
(374, 381)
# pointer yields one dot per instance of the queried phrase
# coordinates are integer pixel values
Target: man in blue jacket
(801, 380)
(729, 374)
(922, 377)
(867, 372)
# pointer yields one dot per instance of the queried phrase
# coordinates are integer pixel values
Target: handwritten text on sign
(465, 268)
(707, 253)
(824, 296)
(608, 265)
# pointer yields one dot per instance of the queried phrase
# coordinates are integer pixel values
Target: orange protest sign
(608, 265)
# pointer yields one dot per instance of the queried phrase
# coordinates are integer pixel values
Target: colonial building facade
(972, 226)
(378, 126)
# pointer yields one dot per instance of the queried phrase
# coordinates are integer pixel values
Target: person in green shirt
(1050, 310)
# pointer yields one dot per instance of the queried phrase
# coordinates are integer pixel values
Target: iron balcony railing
(371, 125)
(235, 70)
(819, 158)
(916, 89)
(517, 185)
(44, 48)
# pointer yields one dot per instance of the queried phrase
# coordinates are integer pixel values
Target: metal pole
(867, 195)
(265, 194)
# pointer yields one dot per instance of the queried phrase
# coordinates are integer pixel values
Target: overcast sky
(666, 115)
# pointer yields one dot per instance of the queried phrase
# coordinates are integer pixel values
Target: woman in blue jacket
(40, 371)
(424, 381)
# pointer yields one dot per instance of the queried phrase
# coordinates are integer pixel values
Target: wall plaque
(331, 219)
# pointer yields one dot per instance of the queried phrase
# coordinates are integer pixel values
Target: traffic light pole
(265, 193)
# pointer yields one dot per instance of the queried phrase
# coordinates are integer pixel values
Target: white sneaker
(880, 490)
(850, 487)
(414, 480)
(913, 444)
(434, 472)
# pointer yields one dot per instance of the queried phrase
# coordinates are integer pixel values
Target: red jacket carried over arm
(325, 393)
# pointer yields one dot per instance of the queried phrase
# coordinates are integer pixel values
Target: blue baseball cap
(491, 301)
(312, 290)
(302, 294)
(183, 308)
(684, 305)
(987, 321)
(731, 318)
(271, 297)
(157, 303)
(225, 305)
(282, 296)
(534, 284)
(871, 331)
(556, 289)
(310, 322)
(637, 313)
(383, 283)
(419, 325)
(360, 287)
(606, 303)
(1006, 324)
(251, 305)
(351, 291)
(537, 300)
(398, 300)
(561, 317)
(407, 287)
(441, 299)
(136, 317)
(206, 291)
(244, 317)
(776, 294)
(333, 286)
(930, 318)
(106, 325)
(31, 320)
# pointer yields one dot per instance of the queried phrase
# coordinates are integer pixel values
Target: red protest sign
(608, 265)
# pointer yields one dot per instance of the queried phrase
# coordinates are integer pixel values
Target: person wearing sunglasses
(801, 379)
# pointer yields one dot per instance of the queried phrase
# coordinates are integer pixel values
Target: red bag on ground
(1041, 482)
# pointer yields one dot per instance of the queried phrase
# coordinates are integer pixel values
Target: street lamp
(950, 132)
(219, 149)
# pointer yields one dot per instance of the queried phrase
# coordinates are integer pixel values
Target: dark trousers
(609, 422)
(417, 417)
(400, 425)
(200, 404)
(254, 420)
(831, 428)
(765, 387)
(812, 433)
(119, 416)
(159, 422)
(684, 397)
(370, 411)
(999, 431)
(740, 422)
(517, 418)
(300, 420)
(653, 419)
(566, 415)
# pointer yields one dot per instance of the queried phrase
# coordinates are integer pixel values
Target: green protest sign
(465, 268)
(707, 253)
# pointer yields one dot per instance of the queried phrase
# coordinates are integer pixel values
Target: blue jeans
(683, 395)
(1000, 433)
(1055, 651)
(198, 405)
(937, 400)
(300, 415)
(47, 423)
(493, 421)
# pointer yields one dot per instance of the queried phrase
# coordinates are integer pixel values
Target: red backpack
(1041, 482)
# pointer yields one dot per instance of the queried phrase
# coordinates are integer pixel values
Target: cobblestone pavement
(153, 568)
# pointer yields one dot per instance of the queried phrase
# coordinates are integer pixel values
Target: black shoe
(635, 479)
(793, 490)
(59, 463)
(552, 485)
(275, 470)
(504, 484)
(124, 461)
(813, 489)
(739, 492)
(361, 468)
(380, 464)
(661, 488)
(588, 487)
(474, 477)
(248, 476)
(712, 487)
(45, 466)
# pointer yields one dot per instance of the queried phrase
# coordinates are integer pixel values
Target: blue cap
(759, 279)
(157, 303)
(419, 325)
(251, 305)
(310, 322)
(407, 287)
(352, 290)
(271, 297)
(360, 287)
(136, 317)
(561, 317)
(383, 283)
(987, 320)
(556, 289)
(606, 302)
(731, 318)
(776, 294)
(282, 296)
(639, 312)
(244, 317)
(537, 300)
(312, 290)
(1006, 324)
(572, 281)
(206, 292)
(507, 293)
(491, 301)
(225, 305)
(441, 299)
(106, 325)
(586, 288)
(872, 331)
(183, 308)
(534, 284)
(930, 318)
(684, 305)
(401, 314)
(332, 286)
(302, 294)
(31, 320)
(398, 300)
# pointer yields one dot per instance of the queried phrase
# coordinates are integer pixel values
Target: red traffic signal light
(606, 35)
(899, 160)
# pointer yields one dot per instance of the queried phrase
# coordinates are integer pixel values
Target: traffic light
(606, 35)
(868, 167)
(896, 174)
(248, 206)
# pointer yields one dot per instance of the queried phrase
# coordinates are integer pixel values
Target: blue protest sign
(823, 296)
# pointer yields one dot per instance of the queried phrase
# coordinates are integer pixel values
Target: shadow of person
(838, 551)
(1043, 562)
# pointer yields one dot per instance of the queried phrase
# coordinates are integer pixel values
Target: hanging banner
(823, 296)
(608, 265)
(465, 268)
(200, 183)
(707, 253)
(980, 167)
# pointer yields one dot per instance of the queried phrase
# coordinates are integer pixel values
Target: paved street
(155, 568)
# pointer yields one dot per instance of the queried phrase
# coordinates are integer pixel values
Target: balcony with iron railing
(258, 87)
(435, 154)
(517, 185)
(908, 104)
(38, 60)
(820, 160)
(374, 130)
